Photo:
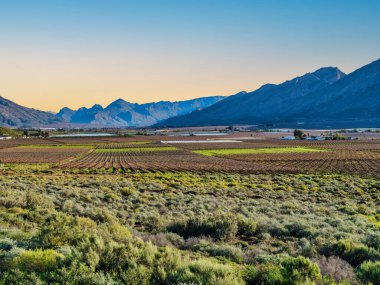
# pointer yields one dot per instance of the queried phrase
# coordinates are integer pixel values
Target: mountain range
(119, 113)
(326, 98)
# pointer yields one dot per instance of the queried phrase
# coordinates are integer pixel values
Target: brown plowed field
(38, 155)
(361, 157)
(351, 157)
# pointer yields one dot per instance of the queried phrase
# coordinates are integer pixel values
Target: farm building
(288, 138)
(316, 138)
(5, 137)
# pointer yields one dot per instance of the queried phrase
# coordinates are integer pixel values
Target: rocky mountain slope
(14, 115)
(324, 98)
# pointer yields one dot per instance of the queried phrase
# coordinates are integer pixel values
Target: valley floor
(72, 226)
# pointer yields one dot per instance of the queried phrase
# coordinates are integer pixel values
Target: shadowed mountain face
(355, 97)
(270, 102)
(14, 115)
(121, 113)
(324, 98)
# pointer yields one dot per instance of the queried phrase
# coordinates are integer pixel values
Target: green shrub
(369, 272)
(136, 275)
(221, 228)
(220, 250)
(373, 240)
(246, 227)
(6, 244)
(361, 253)
(18, 277)
(300, 269)
(61, 229)
(206, 272)
(353, 253)
(265, 274)
(299, 230)
(288, 271)
(38, 201)
(37, 261)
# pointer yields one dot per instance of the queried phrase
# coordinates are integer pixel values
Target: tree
(299, 134)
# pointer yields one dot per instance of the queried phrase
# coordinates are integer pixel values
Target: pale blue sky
(71, 53)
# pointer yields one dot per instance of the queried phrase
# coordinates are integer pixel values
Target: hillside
(324, 98)
(355, 98)
(14, 115)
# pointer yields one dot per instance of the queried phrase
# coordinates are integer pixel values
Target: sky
(72, 53)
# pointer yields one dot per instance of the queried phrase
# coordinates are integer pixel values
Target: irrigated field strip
(354, 157)
(360, 157)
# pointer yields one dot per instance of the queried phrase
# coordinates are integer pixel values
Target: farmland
(238, 209)
(271, 150)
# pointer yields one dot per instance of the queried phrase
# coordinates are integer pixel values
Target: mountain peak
(329, 74)
(65, 109)
(119, 103)
(96, 107)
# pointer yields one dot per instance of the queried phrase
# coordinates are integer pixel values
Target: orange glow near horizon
(56, 54)
(50, 82)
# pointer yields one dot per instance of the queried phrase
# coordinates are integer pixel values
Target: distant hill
(324, 98)
(14, 115)
(121, 113)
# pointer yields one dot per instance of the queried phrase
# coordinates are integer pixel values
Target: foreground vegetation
(96, 227)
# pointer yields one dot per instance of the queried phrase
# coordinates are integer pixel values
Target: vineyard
(254, 156)
(234, 153)
(39, 154)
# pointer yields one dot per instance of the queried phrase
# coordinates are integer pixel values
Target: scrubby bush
(360, 253)
(6, 244)
(219, 227)
(35, 201)
(373, 240)
(337, 269)
(246, 227)
(299, 269)
(370, 272)
(37, 260)
(61, 229)
(165, 239)
(233, 253)
(286, 271)
(264, 274)
(352, 252)
(206, 272)
(185, 228)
